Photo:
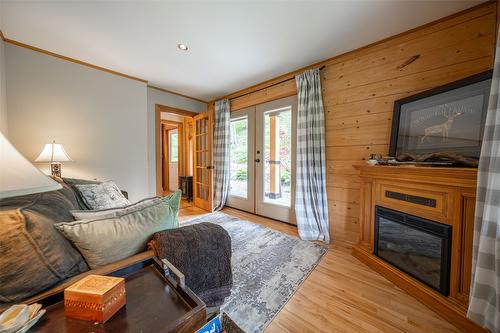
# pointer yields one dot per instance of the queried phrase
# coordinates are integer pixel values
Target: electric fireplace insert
(417, 246)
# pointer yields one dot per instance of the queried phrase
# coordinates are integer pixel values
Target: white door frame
(272, 210)
(248, 203)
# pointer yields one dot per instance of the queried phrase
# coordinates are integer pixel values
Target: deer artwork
(443, 128)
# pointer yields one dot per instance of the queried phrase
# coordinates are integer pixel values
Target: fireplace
(417, 246)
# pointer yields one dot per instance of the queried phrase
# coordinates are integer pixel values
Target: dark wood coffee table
(154, 304)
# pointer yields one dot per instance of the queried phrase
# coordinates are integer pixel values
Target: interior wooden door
(202, 178)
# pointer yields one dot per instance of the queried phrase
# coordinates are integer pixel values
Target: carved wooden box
(95, 298)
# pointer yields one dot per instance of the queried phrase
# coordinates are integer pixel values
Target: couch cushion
(32, 247)
(102, 196)
(106, 240)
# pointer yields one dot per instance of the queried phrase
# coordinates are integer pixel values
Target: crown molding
(83, 63)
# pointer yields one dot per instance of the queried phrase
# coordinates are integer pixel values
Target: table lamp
(18, 176)
(55, 154)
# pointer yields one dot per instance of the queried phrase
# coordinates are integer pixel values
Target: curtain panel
(222, 123)
(484, 302)
(311, 206)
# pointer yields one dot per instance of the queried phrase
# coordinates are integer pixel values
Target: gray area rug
(268, 267)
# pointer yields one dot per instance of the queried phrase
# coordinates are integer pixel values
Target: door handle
(210, 167)
(257, 160)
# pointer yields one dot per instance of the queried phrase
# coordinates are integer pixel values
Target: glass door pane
(277, 156)
(239, 158)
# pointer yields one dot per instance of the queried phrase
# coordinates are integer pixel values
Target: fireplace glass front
(417, 246)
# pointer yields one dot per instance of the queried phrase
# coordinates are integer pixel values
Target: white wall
(100, 118)
(3, 91)
(156, 96)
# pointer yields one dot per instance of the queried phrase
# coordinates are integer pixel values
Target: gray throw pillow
(33, 255)
(107, 240)
(103, 195)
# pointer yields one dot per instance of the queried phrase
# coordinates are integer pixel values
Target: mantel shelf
(459, 177)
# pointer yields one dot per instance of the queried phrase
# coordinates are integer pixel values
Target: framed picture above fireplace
(447, 119)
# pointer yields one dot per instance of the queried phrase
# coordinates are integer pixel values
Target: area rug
(268, 267)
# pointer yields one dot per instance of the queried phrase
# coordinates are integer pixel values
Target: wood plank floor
(343, 295)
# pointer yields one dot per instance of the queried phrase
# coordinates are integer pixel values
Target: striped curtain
(484, 305)
(221, 153)
(311, 207)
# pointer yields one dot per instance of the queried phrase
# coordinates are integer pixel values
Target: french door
(242, 147)
(262, 159)
(202, 178)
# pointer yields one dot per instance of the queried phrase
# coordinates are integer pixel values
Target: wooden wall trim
(331, 60)
(76, 61)
(83, 63)
(176, 93)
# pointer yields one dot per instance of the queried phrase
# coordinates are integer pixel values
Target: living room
(248, 173)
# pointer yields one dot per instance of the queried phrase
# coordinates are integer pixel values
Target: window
(174, 147)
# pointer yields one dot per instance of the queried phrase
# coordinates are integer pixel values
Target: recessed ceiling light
(182, 47)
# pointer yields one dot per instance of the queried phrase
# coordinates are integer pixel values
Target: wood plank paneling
(360, 87)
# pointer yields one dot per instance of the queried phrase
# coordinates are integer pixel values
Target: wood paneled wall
(360, 87)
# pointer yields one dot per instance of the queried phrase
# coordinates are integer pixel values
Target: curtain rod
(272, 85)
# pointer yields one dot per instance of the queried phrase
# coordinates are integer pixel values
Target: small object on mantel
(373, 159)
(433, 159)
(441, 158)
(95, 298)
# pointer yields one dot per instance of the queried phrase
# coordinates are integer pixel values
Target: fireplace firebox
(417, 246)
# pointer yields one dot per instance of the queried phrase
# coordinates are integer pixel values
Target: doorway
(174, 149)
(170, 156)
(262, 159)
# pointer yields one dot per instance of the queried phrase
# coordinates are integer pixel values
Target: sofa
(36, 260)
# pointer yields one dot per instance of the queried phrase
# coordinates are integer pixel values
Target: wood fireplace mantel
(452, 192)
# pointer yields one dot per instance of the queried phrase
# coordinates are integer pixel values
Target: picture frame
(446, 119)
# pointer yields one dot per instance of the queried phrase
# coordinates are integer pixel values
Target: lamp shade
(18, 176)
(53, 152)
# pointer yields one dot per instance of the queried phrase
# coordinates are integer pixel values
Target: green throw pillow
(107, 240)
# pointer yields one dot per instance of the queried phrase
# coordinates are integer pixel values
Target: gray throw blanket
(202, 252)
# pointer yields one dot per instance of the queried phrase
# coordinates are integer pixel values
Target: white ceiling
(232, 45)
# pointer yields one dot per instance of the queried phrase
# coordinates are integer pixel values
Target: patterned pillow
(102, 196)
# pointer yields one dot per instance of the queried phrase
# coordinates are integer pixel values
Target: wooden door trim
(180, 112)
(158, 122)
(165, 157)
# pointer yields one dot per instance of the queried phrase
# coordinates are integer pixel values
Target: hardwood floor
(343, 295)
